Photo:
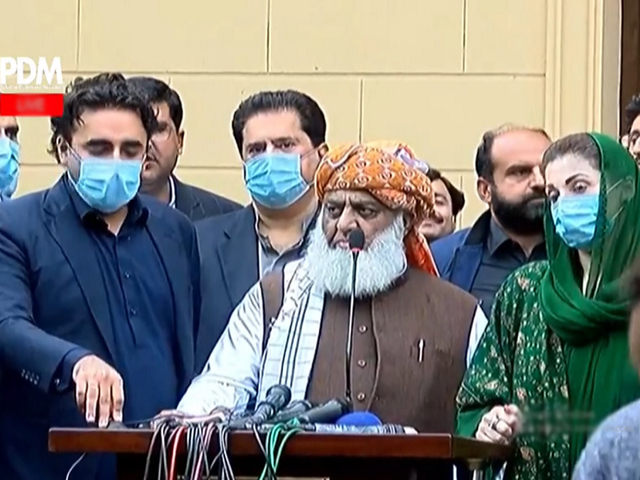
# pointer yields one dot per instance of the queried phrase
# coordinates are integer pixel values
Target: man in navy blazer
(100, 289)
(158, 177)
(280, 136)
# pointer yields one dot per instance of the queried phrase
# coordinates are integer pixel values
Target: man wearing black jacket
(158, 179)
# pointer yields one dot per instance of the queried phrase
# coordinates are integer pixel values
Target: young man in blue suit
(100, 289)
(281, 137)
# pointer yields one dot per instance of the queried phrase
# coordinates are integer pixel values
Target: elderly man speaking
(412, 329)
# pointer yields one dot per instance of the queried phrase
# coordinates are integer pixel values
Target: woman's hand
(500, 425)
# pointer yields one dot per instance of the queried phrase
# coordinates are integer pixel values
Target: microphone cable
(270, 474)
(131, 423)
(276, 440)
(179, 432)
(226, 471)
(169, 434)
(75, 464)
(163, 461)
(200, 461)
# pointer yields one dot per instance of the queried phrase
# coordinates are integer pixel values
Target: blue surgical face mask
(274, 179)
(108, 184)
(575, 218)
(9, 167)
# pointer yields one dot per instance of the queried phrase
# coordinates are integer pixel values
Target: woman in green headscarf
(553, 361)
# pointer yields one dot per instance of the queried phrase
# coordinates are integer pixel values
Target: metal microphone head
(280, 395)
(328, 412)
(356, 240)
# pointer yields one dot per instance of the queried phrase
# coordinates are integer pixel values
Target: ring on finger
(494, 422)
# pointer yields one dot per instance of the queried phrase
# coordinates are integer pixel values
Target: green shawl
(593, 327)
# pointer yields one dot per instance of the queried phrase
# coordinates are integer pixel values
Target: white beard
(379, 265)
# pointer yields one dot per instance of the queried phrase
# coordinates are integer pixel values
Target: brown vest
(392, 376)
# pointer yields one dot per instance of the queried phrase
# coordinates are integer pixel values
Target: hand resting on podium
(99, 390)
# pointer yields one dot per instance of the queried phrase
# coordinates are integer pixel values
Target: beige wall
(433, 73)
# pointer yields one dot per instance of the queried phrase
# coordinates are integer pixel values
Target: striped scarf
(292, 344)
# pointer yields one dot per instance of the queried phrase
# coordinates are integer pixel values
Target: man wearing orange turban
(413, 333)
(391, 173)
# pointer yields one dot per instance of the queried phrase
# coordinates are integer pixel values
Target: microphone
(386, 429)
(360, 423)
(326, 413)
(291, 411)
(277, 397)
(359, 418)
(356, 244)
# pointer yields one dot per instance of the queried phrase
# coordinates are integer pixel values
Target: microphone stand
(352, 314)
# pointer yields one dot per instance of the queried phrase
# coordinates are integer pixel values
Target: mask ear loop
(65, 149)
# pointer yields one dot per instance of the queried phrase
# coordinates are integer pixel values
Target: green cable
(274, 445)
(269, 441)
(285, 439)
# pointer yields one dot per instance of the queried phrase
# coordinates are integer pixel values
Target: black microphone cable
(152, 445)
(157, 438)
(203, 465)
(172, 431)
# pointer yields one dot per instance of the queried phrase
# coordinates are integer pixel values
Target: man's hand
(165, 415)
(500, 425)
(99, 390)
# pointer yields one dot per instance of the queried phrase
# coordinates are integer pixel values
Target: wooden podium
(316, 455)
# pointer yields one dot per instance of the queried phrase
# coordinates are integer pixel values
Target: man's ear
(484, 190)
(625, 141)
(61, 151)
(323, 150)
(406, 220)
(180, 141)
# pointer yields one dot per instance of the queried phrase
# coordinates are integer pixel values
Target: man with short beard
(510, 233)
(410, 346)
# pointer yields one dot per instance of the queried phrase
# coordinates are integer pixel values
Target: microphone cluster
(276, 417)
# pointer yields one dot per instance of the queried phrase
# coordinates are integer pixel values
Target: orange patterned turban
(398, 181)
(397, 149)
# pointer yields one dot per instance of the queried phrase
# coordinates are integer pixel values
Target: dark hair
(632, 111)
(104, 91)
(457, 196)
(484, 155)
(312, 118)
(157, 91)
(580, 144)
